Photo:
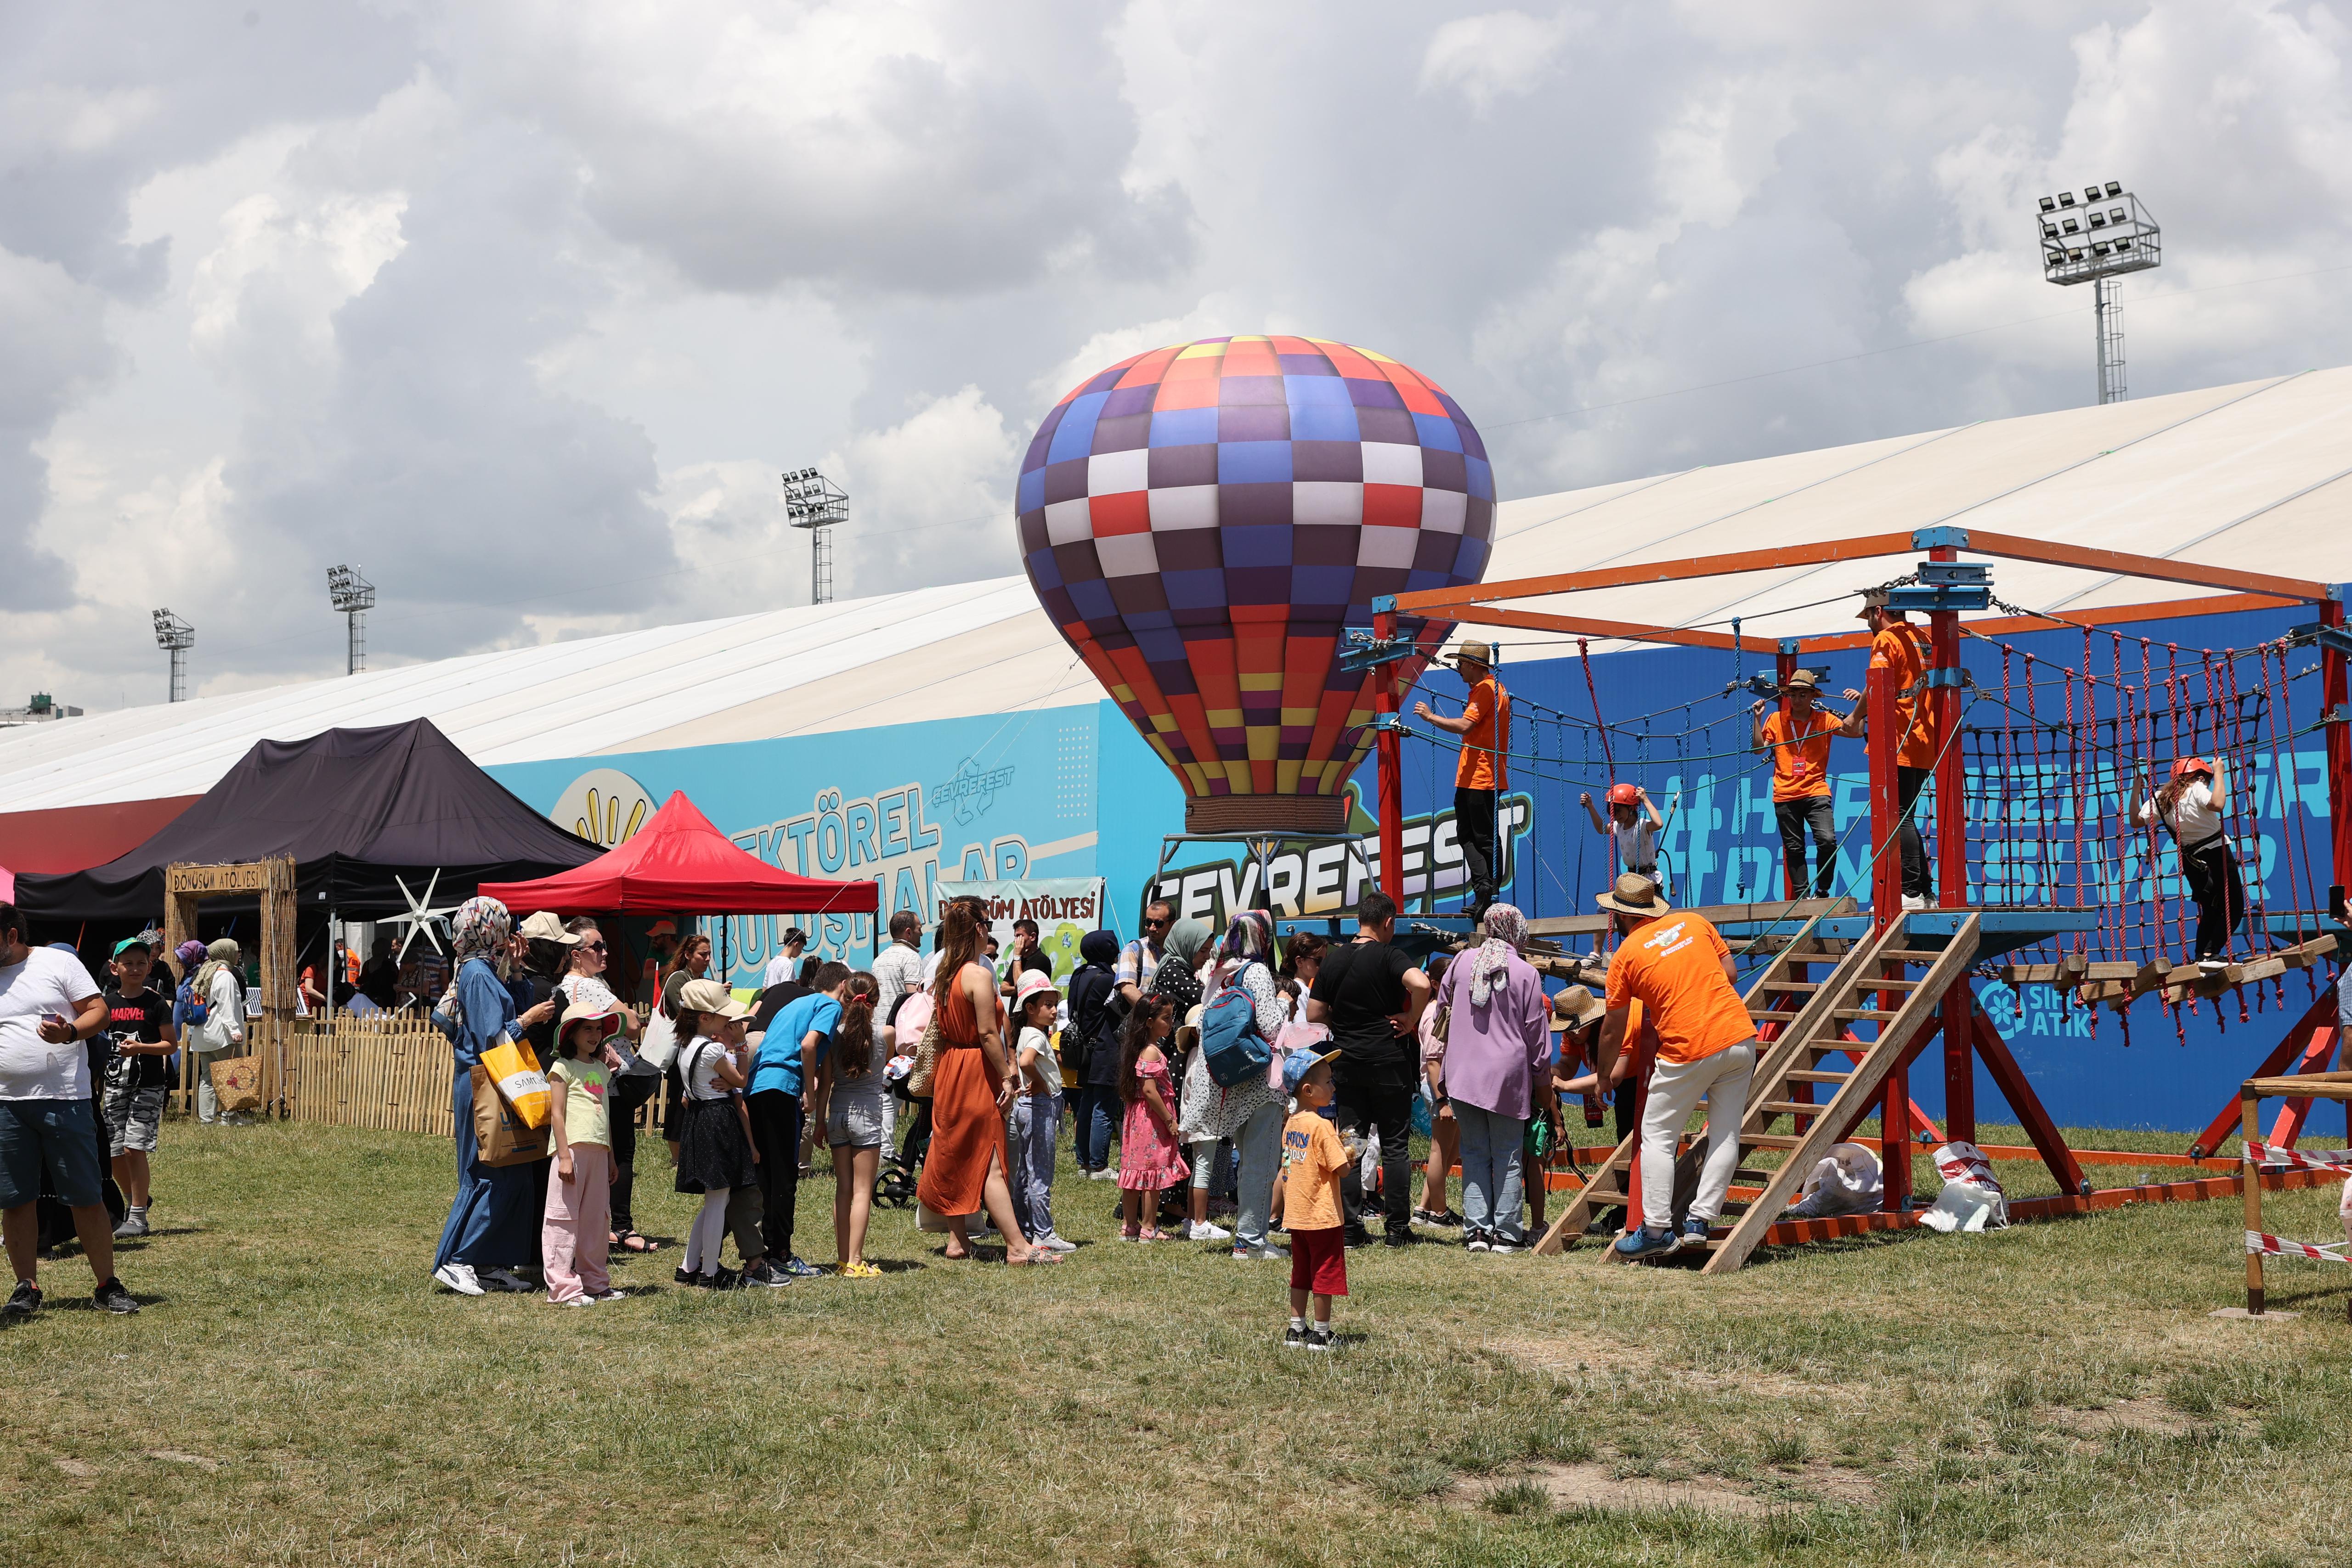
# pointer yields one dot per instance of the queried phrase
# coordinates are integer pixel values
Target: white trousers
(1676, 1090)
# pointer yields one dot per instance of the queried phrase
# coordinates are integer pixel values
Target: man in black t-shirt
(135, 1082)
(1371, 995)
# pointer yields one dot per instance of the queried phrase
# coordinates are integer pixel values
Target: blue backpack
(1230, 1038)
(189, 1007)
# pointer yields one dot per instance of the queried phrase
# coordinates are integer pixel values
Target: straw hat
(1474, 653)
(1805, 678)
(1578, 1007)
(707, 996)
(1635, 895)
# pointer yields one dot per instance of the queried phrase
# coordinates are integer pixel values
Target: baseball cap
(139, 942)
(1298, 1064)
(544, 926)
(707, 996)
(661, 928)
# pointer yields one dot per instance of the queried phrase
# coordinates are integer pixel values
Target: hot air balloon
(1203, 522)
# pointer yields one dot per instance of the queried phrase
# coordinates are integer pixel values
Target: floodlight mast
(353, 596)
(2096, 240)
(815, 503)
(175, 637)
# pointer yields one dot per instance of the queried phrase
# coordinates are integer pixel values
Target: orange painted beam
(1866, 548)
(2110, 615)
(2009, 547)
(1584, 626)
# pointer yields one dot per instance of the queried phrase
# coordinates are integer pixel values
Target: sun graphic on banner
(604, 806)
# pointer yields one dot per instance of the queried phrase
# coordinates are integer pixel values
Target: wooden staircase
(1888, 962)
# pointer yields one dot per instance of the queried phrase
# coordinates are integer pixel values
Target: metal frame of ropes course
(1846, 1002)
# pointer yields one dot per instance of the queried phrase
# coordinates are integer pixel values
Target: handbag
(926, 1060)
(659, 1047)
(500, 1137)
(237, 1083)
(514, 1069)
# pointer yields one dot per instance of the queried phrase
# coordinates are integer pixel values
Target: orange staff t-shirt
(1801, 754)
(1482, 764)
(1903, 649)
(1674, 967)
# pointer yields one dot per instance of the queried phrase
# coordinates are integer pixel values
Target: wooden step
(1864, 1015)
(1788, 986)
(1769, 1140)
(1791, 1108)
(1814, 1074)
(1910, 955)
(1750, 1178)
(1885, 983)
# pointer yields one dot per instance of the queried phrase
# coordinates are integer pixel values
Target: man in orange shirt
(1799, 741)
(1900, 649)
(1677, 968)
(1485, 727)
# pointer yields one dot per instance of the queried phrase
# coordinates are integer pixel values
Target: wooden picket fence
(390, 1073)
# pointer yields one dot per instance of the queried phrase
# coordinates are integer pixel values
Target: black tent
(356, 808)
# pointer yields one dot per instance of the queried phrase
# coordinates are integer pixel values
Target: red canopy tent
(678, 864)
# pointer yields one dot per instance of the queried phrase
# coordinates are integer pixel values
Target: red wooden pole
(2333, 699)
(1952, 861)
(1390, 767)
(2320, 1015)
(1885, 909)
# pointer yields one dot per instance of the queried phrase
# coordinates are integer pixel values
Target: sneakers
(609, 1294)
(578, 1302)
(506, 1280)
(2212, 966)
(1269, 1253)
(686, 1276)
(795, 1269)
(1294, 1337)
(1106, 1174)
(458, 1277)
(1319, 1338)
(1692, 1234)
(1914, 900)
(1444, 1220)
(1500, 1248)
(1474, 1242)
(1399, 1237)
(133, 1224)
(725, 1280)
(1202, 1230)
(114, 1298)
(1644, 1243)
(763, 1272)
(24, 1303)
(1357, 1236)
(1053, 1243)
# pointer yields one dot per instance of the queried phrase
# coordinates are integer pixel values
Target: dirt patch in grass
(2150, 1416)
(1570, 1358)
(1594, 1485)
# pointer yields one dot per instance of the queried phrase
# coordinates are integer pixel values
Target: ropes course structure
(2049, 867)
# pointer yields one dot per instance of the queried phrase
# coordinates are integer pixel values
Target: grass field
(295, 1392)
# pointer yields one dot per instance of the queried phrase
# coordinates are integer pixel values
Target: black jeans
(1474, 829)
(621, 1103)
(2220, 892)
(1917, 878)
(776, 1134)
(1795, 816)
(1379, 1099)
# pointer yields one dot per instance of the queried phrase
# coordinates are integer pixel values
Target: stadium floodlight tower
(815, 503)
(2095, 239)
(353, 596)
(175, 637)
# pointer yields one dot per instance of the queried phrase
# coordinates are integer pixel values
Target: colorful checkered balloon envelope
(1203, 522)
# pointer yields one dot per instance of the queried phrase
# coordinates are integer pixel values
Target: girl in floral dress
(1150, 1158)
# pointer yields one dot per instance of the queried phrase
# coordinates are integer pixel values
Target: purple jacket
(1493, 1053)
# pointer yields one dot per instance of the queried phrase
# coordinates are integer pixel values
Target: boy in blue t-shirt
(780, 1102)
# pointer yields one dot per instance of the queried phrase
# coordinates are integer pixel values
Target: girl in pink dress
(1150, 1159)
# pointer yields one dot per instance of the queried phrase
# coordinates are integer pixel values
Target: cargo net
(2057, 759)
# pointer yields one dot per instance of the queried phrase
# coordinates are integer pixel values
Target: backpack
(191, 1007)
(1230, 1039)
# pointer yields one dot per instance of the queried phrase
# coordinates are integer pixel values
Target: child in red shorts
(1315, 1159)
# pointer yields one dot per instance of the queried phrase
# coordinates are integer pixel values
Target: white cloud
(1504, 54)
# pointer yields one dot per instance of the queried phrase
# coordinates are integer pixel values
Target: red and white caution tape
(2275, 1247)
(2311, 1160)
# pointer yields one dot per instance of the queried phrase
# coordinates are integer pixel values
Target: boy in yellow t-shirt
(1316, 1158)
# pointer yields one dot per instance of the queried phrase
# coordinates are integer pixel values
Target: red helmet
(2191, 765)
(1624, 795)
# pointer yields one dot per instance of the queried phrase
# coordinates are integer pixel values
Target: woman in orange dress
(970, 1087)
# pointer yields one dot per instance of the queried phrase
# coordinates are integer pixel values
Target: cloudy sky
(522, 306)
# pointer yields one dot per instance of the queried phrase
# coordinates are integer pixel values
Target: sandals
(1037, 1255)
(631, 1242)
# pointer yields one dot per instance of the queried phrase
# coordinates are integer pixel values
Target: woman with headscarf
(1497, 1060)
(222, 993)
(1249, 1113)
(1091, 1044)
(494, 1223)
(1177, 980)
